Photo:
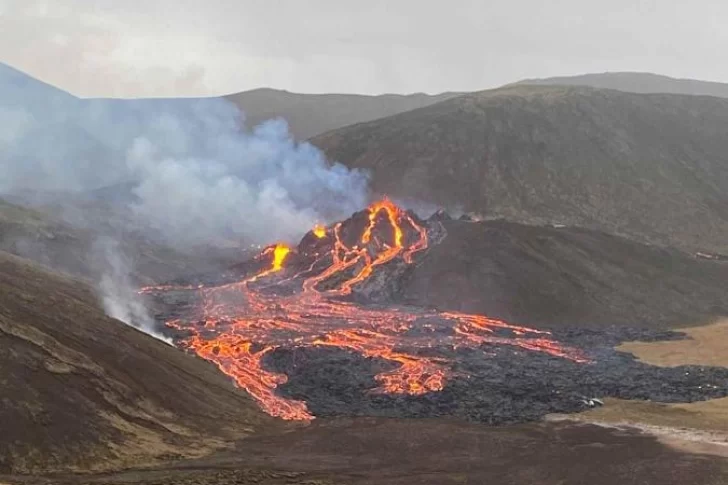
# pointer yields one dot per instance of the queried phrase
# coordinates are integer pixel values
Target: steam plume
(191, 168)
(188, 168)
(118, 295)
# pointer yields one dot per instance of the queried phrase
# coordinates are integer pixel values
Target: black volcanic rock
(591, 289)
(494, 384)
(653, 167)
(538, 276)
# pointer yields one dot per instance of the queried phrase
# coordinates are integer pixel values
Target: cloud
(169, 48)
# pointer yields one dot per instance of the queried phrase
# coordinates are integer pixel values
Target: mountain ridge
(637, 165)
(306, 114)
(637, 82)
(309, 115)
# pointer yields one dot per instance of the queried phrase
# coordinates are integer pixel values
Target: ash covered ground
(321, 330)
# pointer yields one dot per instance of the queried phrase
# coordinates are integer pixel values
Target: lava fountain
(303, 298)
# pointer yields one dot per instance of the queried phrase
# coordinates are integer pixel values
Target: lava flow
(307, 303)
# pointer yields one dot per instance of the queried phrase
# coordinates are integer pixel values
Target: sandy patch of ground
(696, 427)
(700, 427)
(707, 345)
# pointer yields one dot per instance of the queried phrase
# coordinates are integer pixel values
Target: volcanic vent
(294, 326)
(317, 295)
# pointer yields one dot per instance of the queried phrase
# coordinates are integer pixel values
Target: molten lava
(241, 322)
(319, 231)
(279, 256)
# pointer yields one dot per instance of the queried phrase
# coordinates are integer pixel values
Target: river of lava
(243, 321)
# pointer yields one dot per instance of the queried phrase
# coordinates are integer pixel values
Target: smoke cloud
(189, 170)
(118, 295)
(192, 169)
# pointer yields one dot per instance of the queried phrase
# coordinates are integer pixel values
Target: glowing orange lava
(279, 256)
(242, 322)
(319, 231)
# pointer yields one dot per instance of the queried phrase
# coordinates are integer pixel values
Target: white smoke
(193, 169)
(261, 185)
(188, 169)
(118, 295)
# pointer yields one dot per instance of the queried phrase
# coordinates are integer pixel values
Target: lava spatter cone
(307, 304)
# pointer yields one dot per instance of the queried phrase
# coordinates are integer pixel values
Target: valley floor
(700, 427)
(437, 452)
(625, 442)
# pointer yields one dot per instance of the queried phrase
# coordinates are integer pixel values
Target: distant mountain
(649, 166)
(87, 121)
(637, 82)
(84, 392)
(20, 88)
(312, 114)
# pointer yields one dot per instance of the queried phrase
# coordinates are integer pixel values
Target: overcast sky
(131, 48)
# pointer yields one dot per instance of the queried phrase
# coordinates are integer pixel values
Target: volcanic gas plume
(305, 297)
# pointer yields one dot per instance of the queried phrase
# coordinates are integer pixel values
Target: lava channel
(305, 305)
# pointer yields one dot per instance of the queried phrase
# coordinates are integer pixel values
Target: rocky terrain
(495, 384)
(567, 281)
(647, 166)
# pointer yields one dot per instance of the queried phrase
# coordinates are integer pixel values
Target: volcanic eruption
(312, 296)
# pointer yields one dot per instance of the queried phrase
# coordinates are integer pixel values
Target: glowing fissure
(244, 321)
(319, 231)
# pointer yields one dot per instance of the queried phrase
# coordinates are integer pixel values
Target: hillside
(54, 242)
(309, 115)
(652, 167)
(637, 82)
(561, 277)
(91, 393)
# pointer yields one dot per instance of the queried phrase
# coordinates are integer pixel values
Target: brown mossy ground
(84, 392)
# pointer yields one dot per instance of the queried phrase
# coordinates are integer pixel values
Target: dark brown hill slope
(307, 114)
(437, 452)
(312, 114)
(649, 166)
(81, 391)
(637, 82)
(46, 238)
(556, 277)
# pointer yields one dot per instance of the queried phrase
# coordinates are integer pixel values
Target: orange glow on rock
(244, 321)
(319, 231)
(279, 256)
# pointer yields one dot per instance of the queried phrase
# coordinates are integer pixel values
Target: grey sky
(195, 47)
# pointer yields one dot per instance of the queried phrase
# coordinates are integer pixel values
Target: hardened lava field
(316, 331)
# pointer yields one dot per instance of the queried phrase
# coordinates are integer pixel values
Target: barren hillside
(649, 166)
(82, 391)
